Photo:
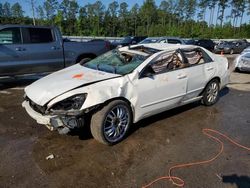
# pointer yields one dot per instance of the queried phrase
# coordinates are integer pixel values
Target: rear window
(40, 35)
(10, 36)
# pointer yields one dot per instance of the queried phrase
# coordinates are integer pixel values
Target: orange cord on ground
(178, 181)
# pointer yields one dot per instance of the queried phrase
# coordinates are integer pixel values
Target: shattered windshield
(116, 62)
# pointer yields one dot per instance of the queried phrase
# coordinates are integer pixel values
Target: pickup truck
(26, 49)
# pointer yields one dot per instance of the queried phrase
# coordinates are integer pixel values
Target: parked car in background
(243, 62)
(124, 86)
(246, 50)
(190, 41)
(231, 47)
(36, 49)
(129, 40)
(206, 43)
(170, 40)
(227, 47)
(240, 45)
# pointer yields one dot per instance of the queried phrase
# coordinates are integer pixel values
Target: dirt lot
(154, 145)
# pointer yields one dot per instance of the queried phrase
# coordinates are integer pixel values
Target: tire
(231, 52)
(211, 93)
(110, 125)
(85, 60)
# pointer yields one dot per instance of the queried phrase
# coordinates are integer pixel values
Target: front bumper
(53, 122)
(40, 119)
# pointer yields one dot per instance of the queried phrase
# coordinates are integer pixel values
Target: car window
(10, 36)
(126, 40)
(40, 35)
(174, 41)
(168, 61)
(197, 56)
(163, 41)
(194, 57)
(145, 41)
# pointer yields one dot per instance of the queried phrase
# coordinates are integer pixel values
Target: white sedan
(125, 85)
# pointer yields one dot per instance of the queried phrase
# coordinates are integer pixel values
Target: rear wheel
(211, 93)
(111, 124)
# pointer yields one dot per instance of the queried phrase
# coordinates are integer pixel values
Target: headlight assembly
(70, 104)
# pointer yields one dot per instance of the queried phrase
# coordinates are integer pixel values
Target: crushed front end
(63, 116)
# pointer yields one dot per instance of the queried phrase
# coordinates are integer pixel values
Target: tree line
(183, 18)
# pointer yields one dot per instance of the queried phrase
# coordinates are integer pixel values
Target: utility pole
(33, 11)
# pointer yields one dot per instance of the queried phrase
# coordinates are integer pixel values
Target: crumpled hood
(55, 84)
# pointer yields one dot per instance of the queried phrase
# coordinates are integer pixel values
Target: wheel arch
(214, 78)
(123, 99)
(85, 55)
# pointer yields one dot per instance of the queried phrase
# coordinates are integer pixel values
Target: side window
(40, 35)
(163, 41)
(168, 61)
(196, 57)
(10, 36)
(174, 41)
(206, 57)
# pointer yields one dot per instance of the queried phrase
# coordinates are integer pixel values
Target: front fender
(100, 92)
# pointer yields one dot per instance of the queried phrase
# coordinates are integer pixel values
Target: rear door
(43, 51)
(200, 70)
(11, 51)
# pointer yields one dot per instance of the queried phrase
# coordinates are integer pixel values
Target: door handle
(210, 68)
(182, 76)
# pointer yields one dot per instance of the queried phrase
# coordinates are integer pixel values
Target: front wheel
(111, 124)
(211, 93)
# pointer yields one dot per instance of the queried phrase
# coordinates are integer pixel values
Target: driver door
(158, 92)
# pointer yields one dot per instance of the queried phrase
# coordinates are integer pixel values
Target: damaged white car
(124, 86)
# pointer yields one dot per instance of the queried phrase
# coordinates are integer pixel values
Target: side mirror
(148, 72)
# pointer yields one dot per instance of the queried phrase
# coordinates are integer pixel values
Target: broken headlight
(72, 103)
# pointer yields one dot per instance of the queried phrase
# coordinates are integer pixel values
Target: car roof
(161, 46)
(167, 46)
(165, 37)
